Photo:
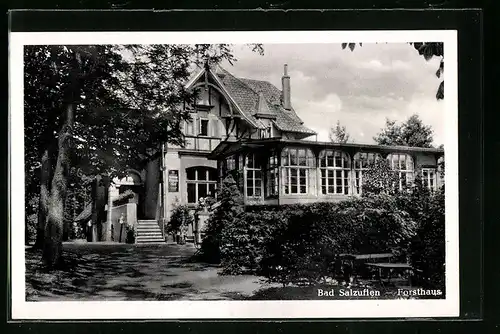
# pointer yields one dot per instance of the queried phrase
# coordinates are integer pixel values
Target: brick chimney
(285, 82)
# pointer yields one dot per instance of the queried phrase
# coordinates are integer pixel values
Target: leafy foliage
(428, 246)
(180, 219)
(412, 132)
(339, 134)
(102, 109)
(305, 250)
(230, 208)
(380, 178)
(243, 240)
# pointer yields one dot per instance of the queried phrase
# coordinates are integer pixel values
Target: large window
(253, 176)
(272, 175)
(201, 182)
(334, 166)
(362, 161)
(429, 178)
(297, 164)
(402, 164)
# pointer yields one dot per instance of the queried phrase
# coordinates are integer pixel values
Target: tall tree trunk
(43, 203)
(52, 245)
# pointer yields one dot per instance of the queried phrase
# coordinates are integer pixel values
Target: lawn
(103, 271)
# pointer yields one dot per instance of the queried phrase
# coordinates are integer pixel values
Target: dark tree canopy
(101, 109)
(412, 132)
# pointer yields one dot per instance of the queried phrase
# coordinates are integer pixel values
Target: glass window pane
(330, 174)
(339, 189)
(285, 161)
(204, 127)
(338, 160)
(323, 189)
(293, 157)
(293, 189)
(302, 157)
(331, 189)
(303, 190)
(211, 189)
(191, 174)
(258, 191)
(191, 190)
(329, 161)
(212, 174)
(202, 190)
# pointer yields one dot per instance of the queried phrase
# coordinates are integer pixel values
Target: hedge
(300, 243)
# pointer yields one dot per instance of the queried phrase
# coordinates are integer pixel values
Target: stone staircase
(148, 231)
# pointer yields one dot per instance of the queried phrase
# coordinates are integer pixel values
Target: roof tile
(246, 93)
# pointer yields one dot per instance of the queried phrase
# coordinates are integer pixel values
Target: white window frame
(408, 173)
(286, 171)
(364, 164)
(427, 181)
(253, 169)
(199, 182)
(345, 169)
(272, 172)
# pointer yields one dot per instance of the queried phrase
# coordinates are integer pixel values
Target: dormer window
(265, 133)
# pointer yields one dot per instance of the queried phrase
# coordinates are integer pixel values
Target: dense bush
(130, 234)
(229, 208)
(428, 251)
(300, 243)
(180, 219)
(380, 178)
(305, 250)
(242, 240)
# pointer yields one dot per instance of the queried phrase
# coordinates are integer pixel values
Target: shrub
(230, 208)
(243, 240)
(180, 219)
(305, 250)
(379, 178)
(428, 251)
(130, 234)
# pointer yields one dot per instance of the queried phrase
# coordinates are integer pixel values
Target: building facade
(249, 129)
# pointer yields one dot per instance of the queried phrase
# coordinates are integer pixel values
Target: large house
(248, 126)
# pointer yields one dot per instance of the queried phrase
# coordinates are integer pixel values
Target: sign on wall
(173, 180)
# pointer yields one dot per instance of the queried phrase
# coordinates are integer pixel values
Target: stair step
(151, 229)
(142, 241)
(154, 235)
(148, 236)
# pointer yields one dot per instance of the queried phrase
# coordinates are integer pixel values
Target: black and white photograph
(170, 169)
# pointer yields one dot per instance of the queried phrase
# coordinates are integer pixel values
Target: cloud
(359, 88)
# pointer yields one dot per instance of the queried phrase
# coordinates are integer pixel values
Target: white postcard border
(22, 309)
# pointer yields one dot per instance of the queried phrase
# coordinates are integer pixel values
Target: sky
(360, 88)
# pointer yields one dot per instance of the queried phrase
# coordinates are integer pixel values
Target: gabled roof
(247, 94)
